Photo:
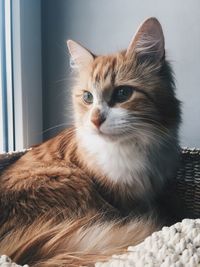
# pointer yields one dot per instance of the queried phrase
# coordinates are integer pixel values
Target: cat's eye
(87, 97)
(122, 93)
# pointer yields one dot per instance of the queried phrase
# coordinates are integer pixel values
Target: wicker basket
(187, 180)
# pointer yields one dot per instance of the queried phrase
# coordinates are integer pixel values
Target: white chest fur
(123, 163)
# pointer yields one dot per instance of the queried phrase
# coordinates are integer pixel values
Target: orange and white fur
(91, 191)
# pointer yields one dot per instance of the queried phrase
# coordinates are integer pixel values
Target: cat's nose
(97, 118)
(97, 121)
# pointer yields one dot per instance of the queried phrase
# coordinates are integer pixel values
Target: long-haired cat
(91, 191)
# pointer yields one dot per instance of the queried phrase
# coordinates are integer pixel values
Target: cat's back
(46, 179)
(46, 158)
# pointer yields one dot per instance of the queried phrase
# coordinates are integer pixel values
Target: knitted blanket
(175, 246)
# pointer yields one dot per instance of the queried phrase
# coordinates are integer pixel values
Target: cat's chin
(107, 135)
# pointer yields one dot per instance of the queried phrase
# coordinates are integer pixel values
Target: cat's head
(130, 93)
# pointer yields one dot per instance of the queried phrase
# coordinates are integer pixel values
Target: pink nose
(97, 121)
(97, 118)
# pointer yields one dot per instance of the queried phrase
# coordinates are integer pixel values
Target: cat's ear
(148, 42)
(80, 56)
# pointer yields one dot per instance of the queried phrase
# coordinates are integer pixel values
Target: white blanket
(175, 246)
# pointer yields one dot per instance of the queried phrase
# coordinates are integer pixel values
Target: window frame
(21, 75)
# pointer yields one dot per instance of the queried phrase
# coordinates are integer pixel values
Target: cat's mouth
(108, 133)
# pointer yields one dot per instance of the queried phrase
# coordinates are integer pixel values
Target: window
(6, 89)
(20, 74)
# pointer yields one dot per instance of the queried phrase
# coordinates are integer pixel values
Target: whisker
(55, 127)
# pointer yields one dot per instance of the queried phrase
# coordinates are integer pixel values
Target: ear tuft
(80, 56)
(148, 42)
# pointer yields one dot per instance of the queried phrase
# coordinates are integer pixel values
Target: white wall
(108, 25)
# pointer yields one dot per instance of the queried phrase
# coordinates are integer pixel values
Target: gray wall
(105, 26)
(27, 72)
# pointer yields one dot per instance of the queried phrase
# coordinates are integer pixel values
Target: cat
(91, 191)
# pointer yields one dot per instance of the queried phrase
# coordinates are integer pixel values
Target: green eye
(122, 93)
(88, 97)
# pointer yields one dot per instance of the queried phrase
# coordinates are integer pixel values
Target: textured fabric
(175, 246)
